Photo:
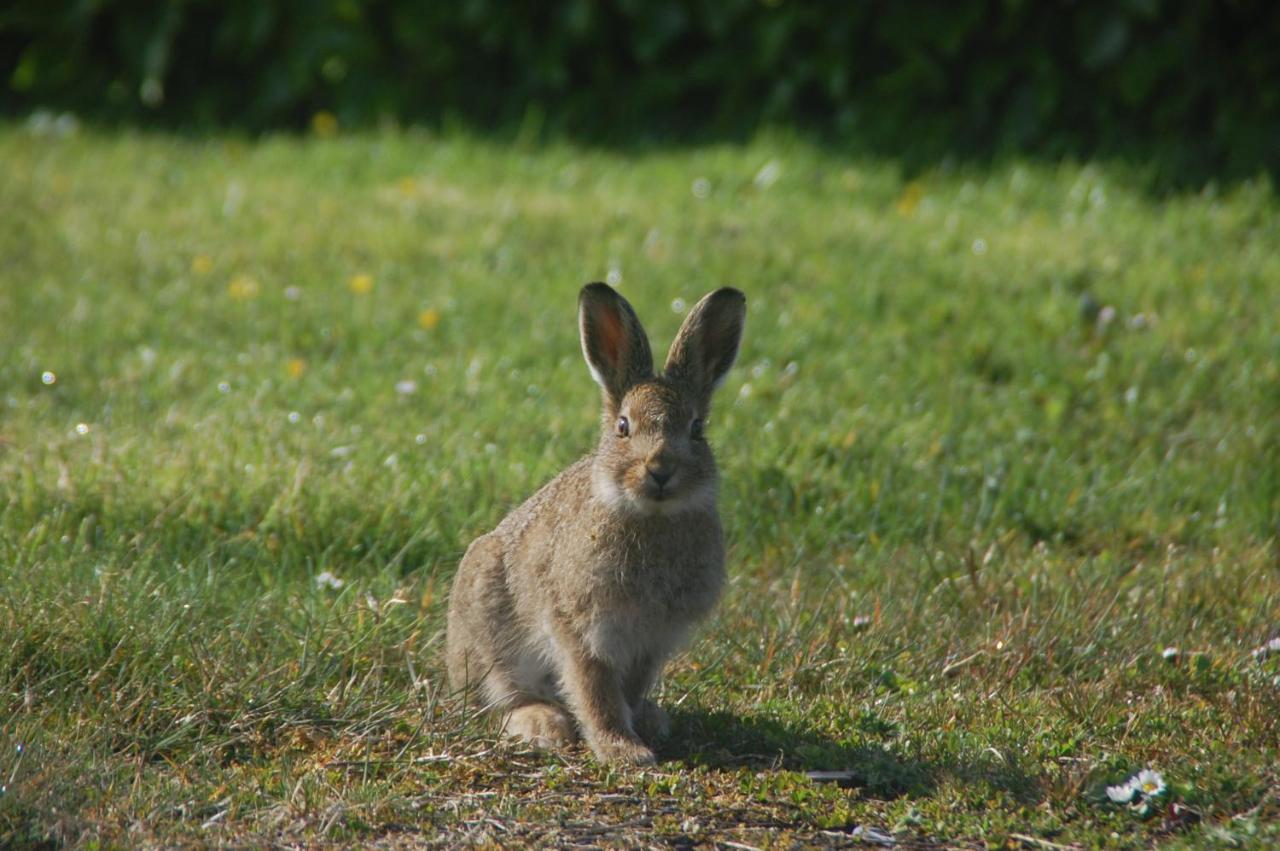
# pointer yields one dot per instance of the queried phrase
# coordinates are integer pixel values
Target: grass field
(1001, 462)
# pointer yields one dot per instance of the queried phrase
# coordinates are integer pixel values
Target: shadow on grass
(724, 740)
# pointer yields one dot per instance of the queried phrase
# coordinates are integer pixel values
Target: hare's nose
(660, 477)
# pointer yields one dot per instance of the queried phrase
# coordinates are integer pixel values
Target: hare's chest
(623, 636)
(647, 611)
(657, 586)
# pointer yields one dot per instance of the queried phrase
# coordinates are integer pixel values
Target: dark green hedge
(994, 74)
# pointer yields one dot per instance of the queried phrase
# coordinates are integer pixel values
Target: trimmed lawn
(1001, 462)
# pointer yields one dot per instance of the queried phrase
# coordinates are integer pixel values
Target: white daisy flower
(767, 175)
(1121, 794)
(327, 580)
(1271, 648)
(1149, 782)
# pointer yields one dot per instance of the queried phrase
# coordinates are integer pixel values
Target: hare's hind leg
(525, 696)
(490, 663)
(523, 688)
(541, 724)
(477, 601)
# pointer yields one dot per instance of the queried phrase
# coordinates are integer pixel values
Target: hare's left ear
(707, 343)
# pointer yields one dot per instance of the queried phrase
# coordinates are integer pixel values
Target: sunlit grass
(999, 438)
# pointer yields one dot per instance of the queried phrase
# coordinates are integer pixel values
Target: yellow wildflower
(910, 198)
(295, 367)
(361, 284)
(429, 318)
(324, 124)
(202, 264)
(242, 288)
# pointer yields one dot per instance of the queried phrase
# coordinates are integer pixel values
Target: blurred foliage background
(1192, 81)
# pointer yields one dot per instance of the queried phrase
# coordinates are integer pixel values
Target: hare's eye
(624, 427)
(695, 430)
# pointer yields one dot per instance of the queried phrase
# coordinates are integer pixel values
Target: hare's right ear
(613, 341)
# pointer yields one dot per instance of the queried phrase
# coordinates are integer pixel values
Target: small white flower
(1121, 794)
(406, 387)
(45, 123)
(328, 580)
(48, 377)
(82, 428)
(1171, 654)
(1271, 648)
(1148, 782)
(767, 175)
(701, 188)
(1105, 317)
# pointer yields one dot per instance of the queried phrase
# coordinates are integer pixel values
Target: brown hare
(562, 617)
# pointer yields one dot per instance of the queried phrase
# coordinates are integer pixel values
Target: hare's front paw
(651, 721)
(542, 725)
(618, 750)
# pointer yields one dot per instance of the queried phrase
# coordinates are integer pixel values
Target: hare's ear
(708, 340)
(613, 341)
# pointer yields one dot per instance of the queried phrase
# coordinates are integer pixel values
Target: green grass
(997, 438)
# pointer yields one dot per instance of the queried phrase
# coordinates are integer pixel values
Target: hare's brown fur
(562, 617)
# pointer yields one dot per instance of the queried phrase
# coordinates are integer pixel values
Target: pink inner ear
(612, 338)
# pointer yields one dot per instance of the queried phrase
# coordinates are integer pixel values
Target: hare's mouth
(647, 497)
(657, 493)
(674, 498)
(685, 499)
